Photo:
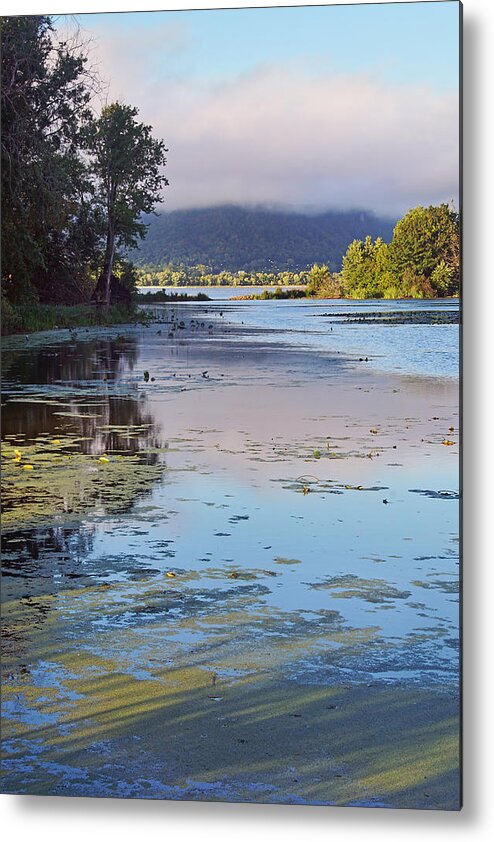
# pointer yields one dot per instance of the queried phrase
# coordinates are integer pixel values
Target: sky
(304, 107)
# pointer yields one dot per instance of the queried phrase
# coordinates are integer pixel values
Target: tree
(427, 242)
(47, 224)
(366, 269)
(127, 164)
(322, 283)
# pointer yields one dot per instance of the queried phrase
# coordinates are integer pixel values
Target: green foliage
(318, 281)
(427, 241)
(11, 321)
(366, 269)
(234, 239)
(127, 273)
(442, 278)
(173, 275)
(323, 283)
(126, 163)
(47, 224)
(422, 260)
(24, 318)
(70, 183)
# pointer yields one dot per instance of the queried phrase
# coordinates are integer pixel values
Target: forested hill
(235, 238)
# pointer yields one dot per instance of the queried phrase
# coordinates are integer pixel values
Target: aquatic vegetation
(124, 619)
(65, 482)
(350, 586)
(436, 495)
(280, 560)
(450, 586)
(307, 485)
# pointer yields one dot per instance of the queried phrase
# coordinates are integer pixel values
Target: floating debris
(436, 495)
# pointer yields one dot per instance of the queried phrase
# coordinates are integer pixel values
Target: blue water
(307, 510)
(427, 350)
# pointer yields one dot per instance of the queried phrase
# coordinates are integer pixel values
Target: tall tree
(427, 242)
(127, 164)
(44, 106)
(366, 270)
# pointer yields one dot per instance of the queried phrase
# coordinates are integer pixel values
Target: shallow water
(269, 503)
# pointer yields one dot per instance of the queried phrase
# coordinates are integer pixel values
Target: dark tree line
(74, 184)
(254, 239)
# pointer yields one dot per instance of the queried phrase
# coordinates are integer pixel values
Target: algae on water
(65, 482)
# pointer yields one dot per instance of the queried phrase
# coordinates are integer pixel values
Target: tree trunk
(108, 262)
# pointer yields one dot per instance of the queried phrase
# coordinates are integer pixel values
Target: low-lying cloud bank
(286, 134)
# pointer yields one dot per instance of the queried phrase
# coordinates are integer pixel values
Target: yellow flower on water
(170, 574)
(27, 467)
(447, 442)
(56, 441)
(17, 454)
(103, 460)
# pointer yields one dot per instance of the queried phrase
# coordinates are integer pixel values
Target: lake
(236, 545)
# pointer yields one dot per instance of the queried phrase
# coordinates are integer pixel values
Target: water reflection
(71, 362)
(261, 550)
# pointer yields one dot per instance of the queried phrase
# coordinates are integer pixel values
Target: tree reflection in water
(41, 561)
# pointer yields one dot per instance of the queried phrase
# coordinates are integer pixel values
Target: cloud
(284, 134)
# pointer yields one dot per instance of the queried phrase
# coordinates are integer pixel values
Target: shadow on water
(129, 674)
(82, 448)
(71, 362)
(46, 535)
(255, 740)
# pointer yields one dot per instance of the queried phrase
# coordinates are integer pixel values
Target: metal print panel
(230, 288)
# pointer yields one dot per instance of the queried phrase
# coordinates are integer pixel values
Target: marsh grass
(31, 318)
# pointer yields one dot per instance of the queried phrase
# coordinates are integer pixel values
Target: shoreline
(79, 317)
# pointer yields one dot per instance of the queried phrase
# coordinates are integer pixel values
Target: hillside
(234, 238)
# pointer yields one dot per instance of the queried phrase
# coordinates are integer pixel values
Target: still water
(342, 326)
(234, 488)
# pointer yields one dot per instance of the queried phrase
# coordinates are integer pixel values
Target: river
(238, 518)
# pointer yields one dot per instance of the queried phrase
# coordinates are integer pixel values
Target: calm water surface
(266, 492)
(424, 349)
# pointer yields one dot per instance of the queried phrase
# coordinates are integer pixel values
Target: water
(215, 293)
(417, 349)
(271, 505)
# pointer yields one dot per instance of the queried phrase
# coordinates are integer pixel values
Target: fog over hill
(255, 239)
